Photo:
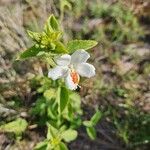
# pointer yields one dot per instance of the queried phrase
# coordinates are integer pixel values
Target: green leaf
(31, 52)
(60, 48)
(62, 99)
(17, 126)
(75, 100)
(49, 94)
(34, 36)
(49, 147)
(69, 135)
(88, 123)
(96, 117)
(63, 146)
(52, 132)
(41, 145)
(51, 25)
(91, 132)
(80, 44)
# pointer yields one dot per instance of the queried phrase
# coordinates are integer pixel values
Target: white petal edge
(85, 70)
(69, 83)
(63, 60)
(79, 56)
(57, 72)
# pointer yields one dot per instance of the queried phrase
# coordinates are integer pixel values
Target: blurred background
(121, 87)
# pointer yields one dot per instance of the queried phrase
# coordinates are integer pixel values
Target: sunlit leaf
(91, 132)
(87, 123)
(31, 52)
(80, 44)
(49, 94)
(51, 25)
(52, 132)
(69, 135)
(17, 126)
(96, 117)
(60, 48)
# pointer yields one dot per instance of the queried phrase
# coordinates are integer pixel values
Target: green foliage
(62, 99)
(17, 127)
(69, 135)
(55, 138)
(47, 41)
(91, 132)
(123, 25)
(92, 123)
(31, 52)
(56, 106)
(80, 44)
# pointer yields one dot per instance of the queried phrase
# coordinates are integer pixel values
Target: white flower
(72, 67)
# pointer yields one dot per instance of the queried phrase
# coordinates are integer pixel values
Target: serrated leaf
(31, 52)
(91, 132)
(80, 44)
(69, 135)
(17, 126)
(96, 117)
(62, 98)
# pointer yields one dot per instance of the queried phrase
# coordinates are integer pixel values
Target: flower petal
(79, 56)
(69, 83)
(85, 70)
(57, 72)
(63, 60)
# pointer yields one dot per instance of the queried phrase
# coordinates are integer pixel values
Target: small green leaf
(69, 135)
(34, 35)
(60, 48)
(63, 146)
(80, 44)
(51, 25)
(53, 22)
(41, 145)
(88, 123)
(96, 117)
(91, 132)
(62, 98)
(31, 52)
(52, 132)
(51, 113)
(17, 126)
(49, 94)
(49, 147)
(75, 100)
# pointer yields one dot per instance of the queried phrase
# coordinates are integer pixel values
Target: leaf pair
(91, 124)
